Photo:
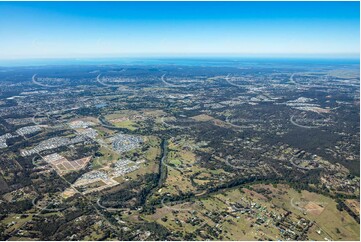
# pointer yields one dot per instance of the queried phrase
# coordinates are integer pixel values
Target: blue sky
(117, 29)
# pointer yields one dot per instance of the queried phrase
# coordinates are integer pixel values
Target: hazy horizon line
(191, 56)
(176, 60)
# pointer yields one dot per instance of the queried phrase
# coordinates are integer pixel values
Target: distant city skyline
(186, 29)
